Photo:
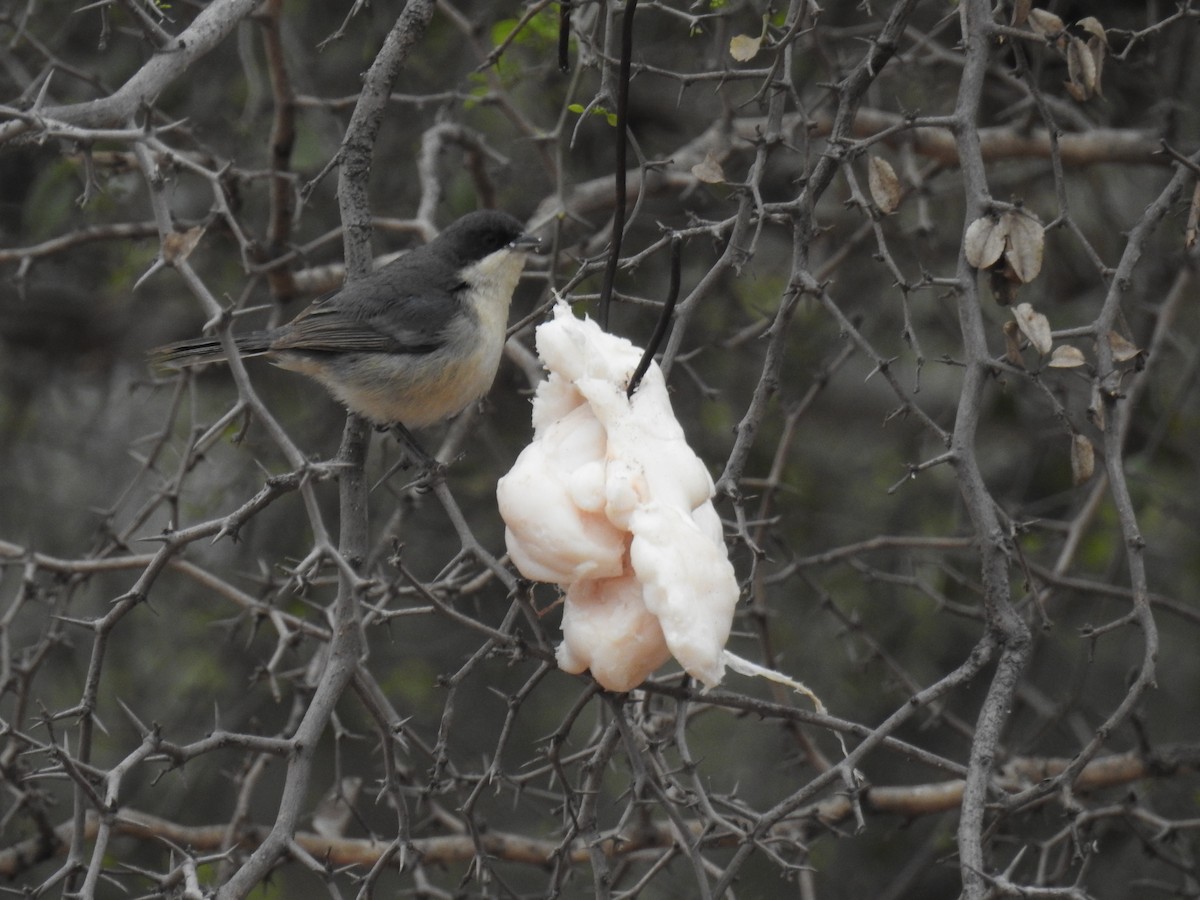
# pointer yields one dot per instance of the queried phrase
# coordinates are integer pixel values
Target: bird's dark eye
(500, 239)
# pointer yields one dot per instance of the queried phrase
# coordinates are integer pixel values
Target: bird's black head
(480, 233)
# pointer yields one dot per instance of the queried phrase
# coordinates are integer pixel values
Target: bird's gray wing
(376, 314)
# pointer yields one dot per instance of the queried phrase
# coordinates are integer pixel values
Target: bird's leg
(411, 446)
(431, 467)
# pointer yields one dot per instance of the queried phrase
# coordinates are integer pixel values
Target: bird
(411, 344)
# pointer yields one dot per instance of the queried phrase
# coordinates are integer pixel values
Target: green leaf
(501, 30)
(579, 108)
(545, 25)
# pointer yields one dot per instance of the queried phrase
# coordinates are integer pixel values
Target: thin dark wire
(564, 35)
(664, 320)
(610, 270)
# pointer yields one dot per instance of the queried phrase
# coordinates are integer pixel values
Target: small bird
(411, 344)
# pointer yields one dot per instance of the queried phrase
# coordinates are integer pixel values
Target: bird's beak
(527, 242)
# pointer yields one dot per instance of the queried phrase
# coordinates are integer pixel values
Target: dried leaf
(1085, 60)
(709, 170)
(1192, 229)
(1020, 13)
(1078, 94)
(1098, 52)
(1092, 26)
(1047, 24)
(1095, 410)
(1012, 344)
(1026, 242)
(743, 47)
(178, 245)
(1066, 357)
(984, 242)
(1081, 69)
(1083, 458)
(1098, 46)
(1034, 326)
(885, 186)
(1122, 350)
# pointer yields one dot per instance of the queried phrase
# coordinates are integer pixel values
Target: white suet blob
(610, 502)
(554, 495)
(608, 629)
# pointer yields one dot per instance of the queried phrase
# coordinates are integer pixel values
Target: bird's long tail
(197, 351)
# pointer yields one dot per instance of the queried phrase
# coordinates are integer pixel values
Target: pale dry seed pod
(709, 170)
(1082, 71)
(1083, 458)
(1016, 235)
(1026, 241)
(1012, 343)
(1122, 350)
(1034, 326)
(885, 186)
(744, 47)
(1092, 26)
(1066, 357)
(984, 241)
(1047, 24)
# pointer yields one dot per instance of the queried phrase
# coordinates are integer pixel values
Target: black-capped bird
(412, 343)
